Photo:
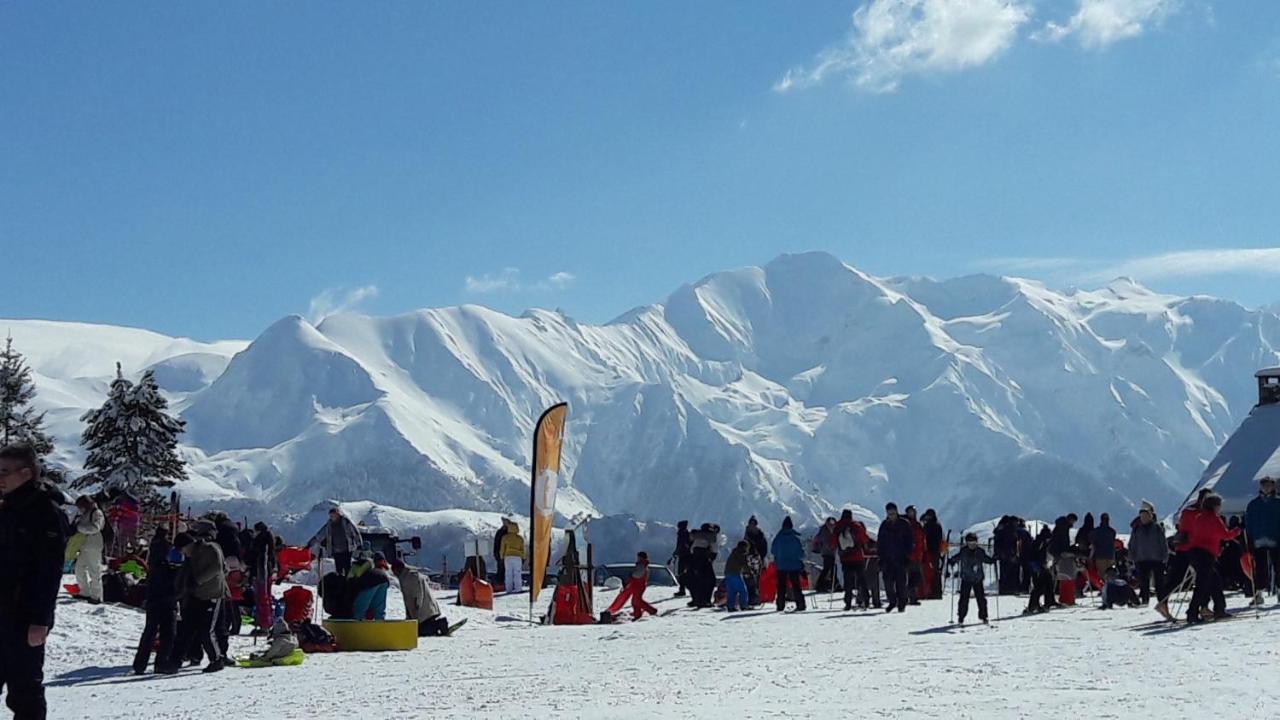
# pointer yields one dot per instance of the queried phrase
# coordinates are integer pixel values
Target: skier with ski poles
(971, 558)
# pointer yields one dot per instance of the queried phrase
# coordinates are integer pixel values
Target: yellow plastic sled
(293, 658)
(374, 634)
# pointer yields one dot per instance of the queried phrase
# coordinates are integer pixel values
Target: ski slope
(820, 664)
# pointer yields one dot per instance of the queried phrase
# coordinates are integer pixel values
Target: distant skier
(1262, 520)
(896, 541)
(788, 558)
(824, 545)
(1149, 550)
(756, 560)
(633, 591)
(850, 537)
(512, 557)
(971, 558)
(735, 570)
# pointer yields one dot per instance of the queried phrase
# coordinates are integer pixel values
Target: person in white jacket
(89, 524)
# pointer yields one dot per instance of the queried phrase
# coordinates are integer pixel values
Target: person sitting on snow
(419, 604)
(282, 643)
(971, 558)
(735, 585)
(633, 591)
(368, 587)
(1117, 591)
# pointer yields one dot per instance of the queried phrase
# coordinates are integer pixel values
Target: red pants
(633, 591)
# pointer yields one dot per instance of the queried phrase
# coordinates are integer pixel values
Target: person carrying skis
(896, 542)
(850, 537)
(340, 538)
(419, 604)
(512, 558)
(89, 523)
(934, 554)
(971, 558)
(1262, 521)
(1149, 550)
(33, 539)
(633, 591)
(1205, 536)
(735, 586)
(788, 557)
(824, 544)
(681, 557)
(163, 563)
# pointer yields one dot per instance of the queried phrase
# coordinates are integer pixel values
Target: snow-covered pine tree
(131, 441)
(19, 422)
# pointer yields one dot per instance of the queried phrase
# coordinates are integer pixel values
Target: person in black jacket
(933, 538)
(162, 607)
(33, 538)
(682, 555)
(1036, 558)
(971, 558)
(895, 540)
(759, 553)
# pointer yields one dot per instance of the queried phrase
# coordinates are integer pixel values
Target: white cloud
(894, 38)
(1099, 23)
(508, 280)
(1179, 264)
(336, 300)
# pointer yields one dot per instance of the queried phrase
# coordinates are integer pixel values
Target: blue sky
(203, 169)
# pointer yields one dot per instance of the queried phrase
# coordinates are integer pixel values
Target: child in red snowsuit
(634, 591)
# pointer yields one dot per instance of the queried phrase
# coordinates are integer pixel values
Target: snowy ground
(706, 664)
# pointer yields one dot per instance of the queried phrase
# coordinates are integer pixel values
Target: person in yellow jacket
(512, 549)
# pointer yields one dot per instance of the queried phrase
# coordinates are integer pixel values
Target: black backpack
(313, 638)
(334, 593)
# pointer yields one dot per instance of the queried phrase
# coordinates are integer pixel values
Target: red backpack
(299, 605)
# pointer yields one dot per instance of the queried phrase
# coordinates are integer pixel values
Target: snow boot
(1162, 607)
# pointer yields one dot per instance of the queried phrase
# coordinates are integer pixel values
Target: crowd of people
(203, 575)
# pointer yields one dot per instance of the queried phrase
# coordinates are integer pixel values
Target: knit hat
(786, 523)
(891, 506)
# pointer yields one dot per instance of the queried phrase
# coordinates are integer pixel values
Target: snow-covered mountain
(797, 387)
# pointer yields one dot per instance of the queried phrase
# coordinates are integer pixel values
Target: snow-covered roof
(1252, 451)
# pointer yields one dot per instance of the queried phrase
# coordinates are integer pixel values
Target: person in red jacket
(915, 564)
(1176, 575)
(850, 538)
(1205, 534)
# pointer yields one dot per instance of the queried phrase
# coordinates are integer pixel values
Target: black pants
(682, 571)
(342, 563)
(789, 581)
(1041, 590)
(915, 573)
(21, 673)
(853, 581)
(967, 588)
(1265, 561)
(869, 587)
(1008, 584)
(1208, 585)
(935, 592)
(200, 622)
(702, 580)
(895, 584)
(826, 578)
(1175, 574)
(1150, 575)
(1025, 576)
(162, 622)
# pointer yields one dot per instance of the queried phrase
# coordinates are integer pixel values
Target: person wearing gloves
(89, 523)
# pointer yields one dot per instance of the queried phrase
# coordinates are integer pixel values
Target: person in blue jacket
(895, 540)
(1262, 523)
(788, 558)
